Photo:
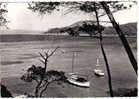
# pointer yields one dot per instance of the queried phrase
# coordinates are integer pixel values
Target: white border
(84, 0)
(58, 0)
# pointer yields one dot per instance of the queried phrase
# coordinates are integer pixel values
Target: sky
(22, 18)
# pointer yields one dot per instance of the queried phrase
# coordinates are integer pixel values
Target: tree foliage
(43, 7)
(43, 77)
(84, 6)
(3, 11)
(91, 28)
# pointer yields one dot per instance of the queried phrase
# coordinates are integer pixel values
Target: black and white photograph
(68, 49)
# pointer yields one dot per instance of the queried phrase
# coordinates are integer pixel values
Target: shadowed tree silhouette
(72, 32)
(91, 29)
(121, 36)
(3, 11)
(43, 77)
(5, 92)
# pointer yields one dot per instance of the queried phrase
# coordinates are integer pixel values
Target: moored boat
(78, 81)
(98, 71)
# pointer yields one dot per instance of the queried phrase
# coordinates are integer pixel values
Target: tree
(84, 6)
(72, 32)
(103, 52)
(91, 28)
(121, 35)
(3, 11)
(90, 7)
(41, 76)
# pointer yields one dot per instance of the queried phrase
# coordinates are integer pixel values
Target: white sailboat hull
(73, 79)
(81, 84)
(98, 72)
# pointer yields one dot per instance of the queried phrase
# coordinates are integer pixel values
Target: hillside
(74, 26)
(129, 29)
(81, 27)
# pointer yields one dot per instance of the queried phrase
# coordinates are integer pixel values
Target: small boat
(98, 71)
(78, 81)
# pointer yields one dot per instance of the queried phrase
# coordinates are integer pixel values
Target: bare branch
(36, 81)
(53, 51)
(42, 56)
(46, 53)
(43, 84)
(42, 61)
(44, 89)
(47, 86)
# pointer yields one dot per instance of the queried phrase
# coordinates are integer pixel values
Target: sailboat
(98, 71)
(76, 79)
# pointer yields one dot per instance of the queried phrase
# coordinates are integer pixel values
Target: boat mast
(97, 62)
(75, 53)
(73, 58)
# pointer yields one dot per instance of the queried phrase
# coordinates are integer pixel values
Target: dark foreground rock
(5, 92)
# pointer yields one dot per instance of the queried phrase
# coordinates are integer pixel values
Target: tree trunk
(103, 53)
(121, 36)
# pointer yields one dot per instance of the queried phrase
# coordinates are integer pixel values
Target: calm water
(16, 57)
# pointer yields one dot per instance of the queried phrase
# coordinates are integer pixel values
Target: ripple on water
(11, 62)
